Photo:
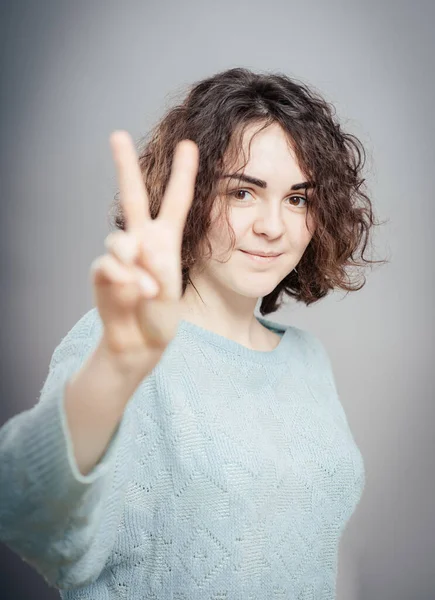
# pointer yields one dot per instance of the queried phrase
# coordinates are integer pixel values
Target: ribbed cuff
(48, 449)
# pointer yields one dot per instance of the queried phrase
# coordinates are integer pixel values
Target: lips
(260, 260)
(262, 254)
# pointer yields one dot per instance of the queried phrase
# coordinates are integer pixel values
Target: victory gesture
(138, 284)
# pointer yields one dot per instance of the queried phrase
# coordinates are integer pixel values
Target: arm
(95, 400)
(62, 492)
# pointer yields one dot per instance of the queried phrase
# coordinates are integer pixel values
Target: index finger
(134, 198)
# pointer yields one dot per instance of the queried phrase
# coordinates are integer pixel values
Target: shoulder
(314, 355)
(311, 346)
(306, 338)
(311, 342)
(306, 342)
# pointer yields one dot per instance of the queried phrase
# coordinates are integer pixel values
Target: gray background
(71, 72)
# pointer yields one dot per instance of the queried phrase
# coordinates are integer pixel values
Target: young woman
(183, 447)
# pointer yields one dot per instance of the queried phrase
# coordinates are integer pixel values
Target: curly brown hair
(215, 114)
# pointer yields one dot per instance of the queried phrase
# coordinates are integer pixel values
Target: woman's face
(269, 217)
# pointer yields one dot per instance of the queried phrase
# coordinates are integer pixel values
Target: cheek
(301, 232)
(220, 240)
(224, 231)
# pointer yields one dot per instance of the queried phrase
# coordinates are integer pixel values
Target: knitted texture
(231, 476)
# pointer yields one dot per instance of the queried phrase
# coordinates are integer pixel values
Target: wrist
(133, 365)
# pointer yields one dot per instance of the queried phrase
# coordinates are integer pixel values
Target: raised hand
(138, 284)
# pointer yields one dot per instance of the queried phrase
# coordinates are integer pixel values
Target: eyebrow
(263, 184)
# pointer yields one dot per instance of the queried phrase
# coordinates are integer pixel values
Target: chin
(254, 291)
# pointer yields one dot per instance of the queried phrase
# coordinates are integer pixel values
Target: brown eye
(298, 198)
(241, 191)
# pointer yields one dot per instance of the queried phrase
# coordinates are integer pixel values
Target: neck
(226, 314)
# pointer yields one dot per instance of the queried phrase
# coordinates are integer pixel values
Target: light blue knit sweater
(230, 477)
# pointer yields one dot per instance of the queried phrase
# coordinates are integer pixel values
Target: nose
(269, 221)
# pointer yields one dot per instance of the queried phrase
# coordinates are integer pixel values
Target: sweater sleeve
(61, 522)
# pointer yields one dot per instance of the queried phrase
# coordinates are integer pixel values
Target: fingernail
(148, 285)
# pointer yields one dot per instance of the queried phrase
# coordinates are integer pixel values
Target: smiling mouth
(260, 258)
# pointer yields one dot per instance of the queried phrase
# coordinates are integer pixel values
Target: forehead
(267, 150)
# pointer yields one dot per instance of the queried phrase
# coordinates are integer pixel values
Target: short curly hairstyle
(215, 114)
